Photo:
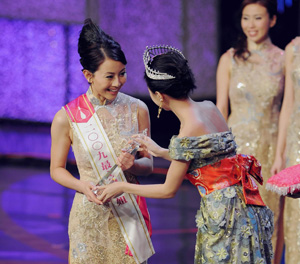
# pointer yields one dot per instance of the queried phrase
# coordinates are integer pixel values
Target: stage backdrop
(40, 68)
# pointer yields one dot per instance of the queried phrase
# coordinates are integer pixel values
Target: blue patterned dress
(229, 230)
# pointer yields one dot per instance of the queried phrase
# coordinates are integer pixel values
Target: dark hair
(173, 64)
(94, 45)
(241, 49)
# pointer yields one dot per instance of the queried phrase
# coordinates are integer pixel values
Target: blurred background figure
(288, 146)
(251, 77)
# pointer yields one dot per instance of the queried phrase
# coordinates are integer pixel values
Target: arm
(60, 145)
(223, 79)
(168, 189)
(143, 165)
(285, 113)
(150, 146)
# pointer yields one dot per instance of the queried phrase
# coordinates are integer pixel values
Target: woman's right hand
(88, 188)
(148, 145)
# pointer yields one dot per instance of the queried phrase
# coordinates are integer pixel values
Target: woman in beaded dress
(234, 225)
(288, 147)
(94, 233)
(251, 77)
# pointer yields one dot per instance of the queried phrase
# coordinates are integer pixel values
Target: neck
(95, 98)
(253, 46)
(181, 108)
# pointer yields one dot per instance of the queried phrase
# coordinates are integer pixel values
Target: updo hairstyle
(94, 45)
(173, 64)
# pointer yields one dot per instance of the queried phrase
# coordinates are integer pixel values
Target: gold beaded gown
(292, 206)
(94, 234)
(255, 93)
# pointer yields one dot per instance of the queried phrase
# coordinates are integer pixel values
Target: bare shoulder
(290, 49)
(226, 57)
(296, 41)
(60, 120)
(224, 65)
(210, 107)
(209, 104)
(143, 108)
(143, 115)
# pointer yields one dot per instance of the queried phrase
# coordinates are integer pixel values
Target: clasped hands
(105, 193)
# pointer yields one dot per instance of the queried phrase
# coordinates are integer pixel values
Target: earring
(91, 84)
(159, 108)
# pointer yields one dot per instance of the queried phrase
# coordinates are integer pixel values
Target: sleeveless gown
(229, 230)
(256, 92)
(94, 234)
(292, 206)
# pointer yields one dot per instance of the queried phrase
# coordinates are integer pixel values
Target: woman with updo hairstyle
(250, 79)
(234, 225)
(176, 65)
(98, 125)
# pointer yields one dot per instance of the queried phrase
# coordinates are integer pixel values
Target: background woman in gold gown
(251, 77)
(288, 147)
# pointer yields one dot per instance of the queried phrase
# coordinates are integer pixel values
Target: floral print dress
(229, 229)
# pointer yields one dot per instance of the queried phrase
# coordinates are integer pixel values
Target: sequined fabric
(94, 233)
(292, 206)
(256, 91)
(229, 231)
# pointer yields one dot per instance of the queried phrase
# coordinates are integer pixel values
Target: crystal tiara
(148, 56)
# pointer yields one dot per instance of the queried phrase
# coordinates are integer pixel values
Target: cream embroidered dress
(255, 93)
(95, 236)
(292, 206)
(229, 230)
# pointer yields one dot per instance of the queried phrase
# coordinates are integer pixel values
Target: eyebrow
(114, 73)
(257, 14)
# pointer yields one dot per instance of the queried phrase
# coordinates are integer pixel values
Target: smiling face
(256, 22)
(107, 81)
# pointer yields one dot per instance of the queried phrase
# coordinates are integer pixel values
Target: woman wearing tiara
(95, 123)
(234, 225)
(250, 77)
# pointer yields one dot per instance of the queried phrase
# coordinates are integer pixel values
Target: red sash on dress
(141, 201)
(239, 169)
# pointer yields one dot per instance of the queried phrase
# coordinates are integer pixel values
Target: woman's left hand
(125, 160)
(109, 191)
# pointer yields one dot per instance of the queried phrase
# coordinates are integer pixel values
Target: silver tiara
(149, 55)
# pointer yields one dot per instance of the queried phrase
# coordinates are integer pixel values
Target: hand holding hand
(87, 189)
(148, 145)
(109, 191)
(125, 161)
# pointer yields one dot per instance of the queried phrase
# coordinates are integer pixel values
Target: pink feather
(285, 182)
